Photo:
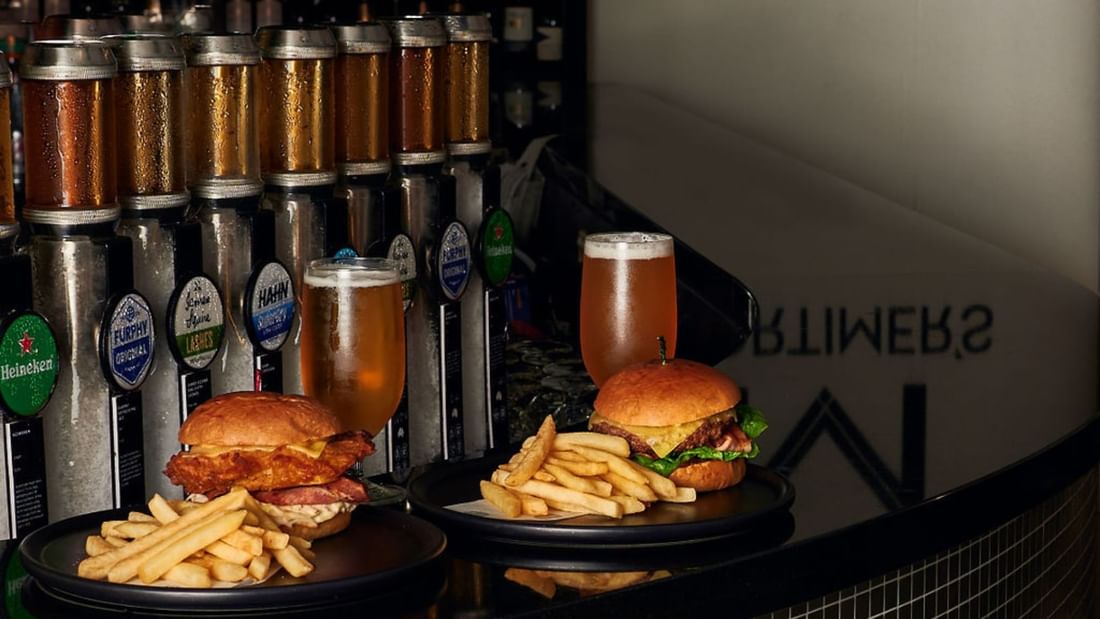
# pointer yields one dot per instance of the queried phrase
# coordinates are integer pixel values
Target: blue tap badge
(128, 341)
(453, 261)
(269, 306)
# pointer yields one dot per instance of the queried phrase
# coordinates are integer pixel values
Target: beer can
(77, 28)
(416, 90)
(297, 105)
(223, 151)
(70, 149)
(362, 99)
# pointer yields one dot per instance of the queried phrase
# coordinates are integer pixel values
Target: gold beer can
(362, 99)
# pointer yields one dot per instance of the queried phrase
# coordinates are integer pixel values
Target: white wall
(981, 113)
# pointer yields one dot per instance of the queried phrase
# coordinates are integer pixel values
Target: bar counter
(932, 398)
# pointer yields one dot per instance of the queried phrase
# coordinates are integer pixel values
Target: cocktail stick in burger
(682, 420)
(290, 452)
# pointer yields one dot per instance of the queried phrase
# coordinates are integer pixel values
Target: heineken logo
(497, 246)
(270, 306)
(28, 363)
(196, 322)
(131, 341)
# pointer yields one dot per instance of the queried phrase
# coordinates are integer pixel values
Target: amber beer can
(416, 90)
(149, 113)
(223, 153)
(466, 86)
(297, 105)
(362, 99)
(70, 144)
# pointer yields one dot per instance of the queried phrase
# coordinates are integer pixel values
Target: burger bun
(329, 527)
(708, 475)
(252, 418)
(655, 394)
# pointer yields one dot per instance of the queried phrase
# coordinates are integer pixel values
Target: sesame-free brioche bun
(707, 475)
(332, 526)
(251, 418)
(652, 394)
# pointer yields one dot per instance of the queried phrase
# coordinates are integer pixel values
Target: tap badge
(269, 305)
(402, 253)
(128, 341)
(28, 363)
(196, 322)
(453, 261)
(496, 246)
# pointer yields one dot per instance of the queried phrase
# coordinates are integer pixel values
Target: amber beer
(353, 339)
(628, 299)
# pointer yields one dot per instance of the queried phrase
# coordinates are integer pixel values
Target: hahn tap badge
(196, 322)
(453, 261)
(28, 363)
(269, 303)
(129, 341)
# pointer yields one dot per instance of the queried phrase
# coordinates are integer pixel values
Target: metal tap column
(167, 248)
(238, 239)
(82, 280)
(441, 245)
(297, 156)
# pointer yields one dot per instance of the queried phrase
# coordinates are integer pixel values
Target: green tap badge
(28, 363)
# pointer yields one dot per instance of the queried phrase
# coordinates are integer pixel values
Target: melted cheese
(312, 449)
(662, 439)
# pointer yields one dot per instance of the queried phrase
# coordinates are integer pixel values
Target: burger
(289, 451)
(682, 419)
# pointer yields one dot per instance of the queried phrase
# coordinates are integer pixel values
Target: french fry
(569, 480)
(615, 464)
(140, 517)
(500, 498)
(534, 455)
(630, 504)
(251, 519)
(300, 543)
(507, 467)
(546, 491)
(259, 566)
(543, 475)
(227, 572)
(274, 540)
(116, 542)
(584, 468)
(161, 510)
(97, 567)
(604, 442)
(174, 550)
(532, 580)
(663, 486)
(629, 487)
(498, 477)
(570, 507)
(683, 495)
(105, 529)
(532, 505)
(595, 581)
(251, 544)
(568, 456)
(292, 561)
(229, 553)
(133, 530)
(184, 506)
(188, 575)
(96, 545)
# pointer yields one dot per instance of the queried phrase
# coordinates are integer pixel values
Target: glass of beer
(628, 299)
(353, 339)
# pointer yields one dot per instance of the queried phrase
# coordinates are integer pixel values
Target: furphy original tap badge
(128, 340)
(496, 246)
(196, 322)
(453, 261)
(269, 306)
(403, 254)
(28, 363)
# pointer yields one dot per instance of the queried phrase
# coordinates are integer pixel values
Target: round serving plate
(380, 550)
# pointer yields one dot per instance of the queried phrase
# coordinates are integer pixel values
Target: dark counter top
(921, 384)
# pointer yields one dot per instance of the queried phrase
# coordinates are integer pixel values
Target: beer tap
(167, 247)
(238, 238)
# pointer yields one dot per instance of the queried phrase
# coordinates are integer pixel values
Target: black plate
(379, 549)
(714, 515)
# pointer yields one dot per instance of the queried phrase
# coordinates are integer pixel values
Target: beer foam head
(351, 272)
(628, 246)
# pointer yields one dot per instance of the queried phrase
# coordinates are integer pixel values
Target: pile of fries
(188, 544)
(579, 472)
(546, 582)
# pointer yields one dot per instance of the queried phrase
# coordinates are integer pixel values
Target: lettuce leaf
(753, 424)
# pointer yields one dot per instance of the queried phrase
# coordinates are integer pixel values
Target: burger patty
(344, 490)
(258, 470)
(710, 434)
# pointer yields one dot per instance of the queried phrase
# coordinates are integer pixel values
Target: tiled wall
(1040, 564)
